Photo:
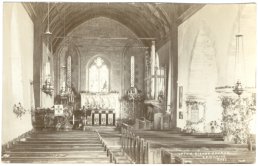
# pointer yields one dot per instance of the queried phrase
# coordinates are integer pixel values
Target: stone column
(37, 61)
(173, 74)
(168, 87)
(47, 100)
(153, 52)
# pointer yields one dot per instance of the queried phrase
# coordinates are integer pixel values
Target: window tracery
(98, 76)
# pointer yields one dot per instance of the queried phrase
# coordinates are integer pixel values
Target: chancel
(129, 83)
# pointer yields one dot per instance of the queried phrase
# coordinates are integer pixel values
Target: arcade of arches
(151, 66)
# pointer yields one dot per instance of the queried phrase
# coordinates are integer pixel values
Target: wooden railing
(134, 146)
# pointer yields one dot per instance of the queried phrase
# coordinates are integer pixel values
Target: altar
(104, 107)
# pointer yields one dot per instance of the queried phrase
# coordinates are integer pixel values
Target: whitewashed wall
(17, 69)
(206, 44)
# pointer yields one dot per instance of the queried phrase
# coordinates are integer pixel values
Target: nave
(66, 147)
(105, 145)
(125, 83)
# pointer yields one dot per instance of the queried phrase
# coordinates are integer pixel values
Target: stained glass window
(98, 76)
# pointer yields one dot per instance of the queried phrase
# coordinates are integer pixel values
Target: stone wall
(116, 51)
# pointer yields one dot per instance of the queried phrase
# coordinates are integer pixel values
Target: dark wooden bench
(114, 153)
(146, 146)
(216, 157)
(208, 156)
(143, 124)
(134, 146)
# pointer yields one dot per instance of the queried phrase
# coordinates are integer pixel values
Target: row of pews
(207, 156)
(57, 147)
(173, 147)
(134, 146)
(110, 140)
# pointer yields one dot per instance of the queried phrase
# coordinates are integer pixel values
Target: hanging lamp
(238, 88)
(48, 88)
(48, 31)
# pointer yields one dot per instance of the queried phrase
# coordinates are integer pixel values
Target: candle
(47, 68)
(63, 86)
(132, 71)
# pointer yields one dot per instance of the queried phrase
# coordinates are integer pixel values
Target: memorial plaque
(195, 115)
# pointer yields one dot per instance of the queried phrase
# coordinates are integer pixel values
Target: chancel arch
(68, 67)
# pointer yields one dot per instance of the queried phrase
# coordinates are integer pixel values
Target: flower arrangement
(214, 126)
(237, 113)
(188, 122)
(133, 95)
(132, 104)
(189, 129)
(63, 121)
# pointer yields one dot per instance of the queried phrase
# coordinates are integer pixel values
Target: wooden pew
(212, 157)
(134, 146)
(150, 146)
(143, 124)
(207, 156)
(115, 154)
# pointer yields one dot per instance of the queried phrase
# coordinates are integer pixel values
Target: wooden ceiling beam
(111, 14)
(188, 13)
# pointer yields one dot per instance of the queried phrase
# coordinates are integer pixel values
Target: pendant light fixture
(48, 31)
(238, 89)
(48, 88)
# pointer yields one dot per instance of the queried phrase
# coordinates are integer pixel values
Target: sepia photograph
(128, 82)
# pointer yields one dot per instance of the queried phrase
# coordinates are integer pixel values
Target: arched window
(69, 71)
(98, 76)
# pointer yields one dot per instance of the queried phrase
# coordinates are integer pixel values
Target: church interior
(129, 83)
